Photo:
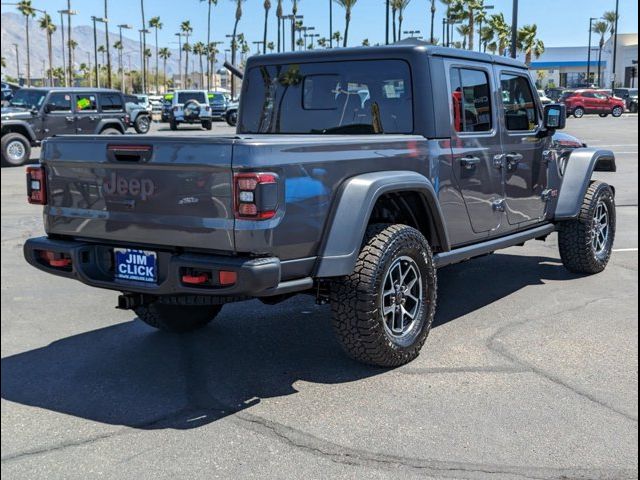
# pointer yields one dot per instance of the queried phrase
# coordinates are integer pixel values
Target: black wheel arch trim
(7, 128)
(353, 207)
(577, 176)
(111, 123)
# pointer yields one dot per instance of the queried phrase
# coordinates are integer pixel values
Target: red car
(593, 101)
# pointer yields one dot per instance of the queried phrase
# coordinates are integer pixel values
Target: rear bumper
(92, 264)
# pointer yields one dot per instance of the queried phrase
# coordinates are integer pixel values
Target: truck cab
(353, 176)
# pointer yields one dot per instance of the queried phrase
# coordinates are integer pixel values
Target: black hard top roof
(406, 47)
(73, 89)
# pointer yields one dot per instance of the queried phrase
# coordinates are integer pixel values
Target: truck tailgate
(150, 190)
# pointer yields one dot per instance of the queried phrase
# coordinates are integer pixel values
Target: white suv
(190, 106)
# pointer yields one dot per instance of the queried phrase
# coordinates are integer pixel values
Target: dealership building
(567, 66)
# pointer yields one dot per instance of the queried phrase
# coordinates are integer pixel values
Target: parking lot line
(625, 249)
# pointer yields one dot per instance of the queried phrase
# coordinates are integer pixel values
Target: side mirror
(47, 108)
(34, 111)
(555, 116)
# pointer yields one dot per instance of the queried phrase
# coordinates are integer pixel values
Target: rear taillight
(207, 109)
(255, 195)
(36, 185)
(55, 259)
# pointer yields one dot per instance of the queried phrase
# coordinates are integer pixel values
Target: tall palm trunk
(70, 55)
(395, 38)
(186, 61)
(28, 53)
(106, 29)
(266, 26)
(202, 72)
(346, 27)
(600, 61)
(208, 43)
(400, 20)
(279, 34)
(50, 52)
(144, 49)
(157, 81)
(472, 27)
(234, 47)
(164, 73)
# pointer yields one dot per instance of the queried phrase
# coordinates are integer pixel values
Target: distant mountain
(13, 32)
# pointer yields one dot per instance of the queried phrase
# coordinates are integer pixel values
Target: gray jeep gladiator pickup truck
(354, 175)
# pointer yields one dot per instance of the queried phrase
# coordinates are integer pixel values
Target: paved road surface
(530, 372)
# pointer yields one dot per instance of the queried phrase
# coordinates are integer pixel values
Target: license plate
(136, 265)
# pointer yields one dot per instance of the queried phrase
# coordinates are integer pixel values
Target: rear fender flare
(354, 204)
(117, 124)
(580, 167)
(10, 126)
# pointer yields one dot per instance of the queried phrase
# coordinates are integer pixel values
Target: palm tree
(348, 5)
(502, 31)
(337, 37)
(486, 37)
(528, 43)
(164, 53)
(464, 31)
(400, 6)
(471, 7)
(24, 6)
(212, 52)
(394, 12)
(600, 28)
(102, 50)
(209, 5)
(72, 44)
(147, 56)
(234, 45)
(271, 46)
(156, 24)
(366, 43)
(200, 49)
(186, 48)
(279, 15)
(267, 7)
(610, 18)
(433, 17)
(106, 40)
(49, 28)
(187, 30)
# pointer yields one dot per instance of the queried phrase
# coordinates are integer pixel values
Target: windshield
(184, 97)
(216, 97)
(25, 98)
(363, 97)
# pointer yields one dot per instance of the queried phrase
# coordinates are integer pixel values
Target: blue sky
(560, 22)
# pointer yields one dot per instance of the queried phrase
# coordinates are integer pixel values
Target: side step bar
(465, 253)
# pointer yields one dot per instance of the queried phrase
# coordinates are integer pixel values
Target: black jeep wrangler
(34, 114)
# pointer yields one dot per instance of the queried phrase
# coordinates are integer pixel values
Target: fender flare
(110, 123)
(577, 175)
(31, 136)
(354, 204)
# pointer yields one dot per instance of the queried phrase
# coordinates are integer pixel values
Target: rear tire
(16, 149)
(382, 312)
(578, 112)
(586, 242)
(177, 318)
(110, 131)
(142, 124)
(173, 125)
(232, 118)
(603, 115)
(207, 124)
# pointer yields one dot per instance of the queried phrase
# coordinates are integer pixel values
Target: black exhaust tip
(129, 301)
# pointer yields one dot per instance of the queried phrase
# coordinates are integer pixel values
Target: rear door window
(363, 97)
(86, 103)
(184, 97)
(520, 110)
(471, 100)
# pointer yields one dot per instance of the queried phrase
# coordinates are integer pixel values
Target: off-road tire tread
(354, 302)
(574, 236)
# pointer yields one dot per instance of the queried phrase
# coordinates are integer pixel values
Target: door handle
(469, 163)
(513, 159)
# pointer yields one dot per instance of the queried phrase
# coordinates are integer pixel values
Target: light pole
(313, 37)
(293, 19)
(305, 35)
(514, 30)
(386, 30)
(180, 35)
(143, 32)
(412, 33)
(257, 44)
(124, 26)
(589, 50)
(64, 62)
(615, 47)
(68, 71)
(95, 19)
(485, 7)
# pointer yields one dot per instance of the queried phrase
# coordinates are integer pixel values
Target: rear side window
(86, 103)
(110, 102)
(471, 100)
(520, 109)
(184, 97)
(363, 97)
(59, 102)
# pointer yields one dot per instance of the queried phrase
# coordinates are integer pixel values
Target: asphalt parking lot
(530, 372)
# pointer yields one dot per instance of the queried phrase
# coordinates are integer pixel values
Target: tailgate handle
(129, 153)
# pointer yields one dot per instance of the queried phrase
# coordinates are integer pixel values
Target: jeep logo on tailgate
(117, 185)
